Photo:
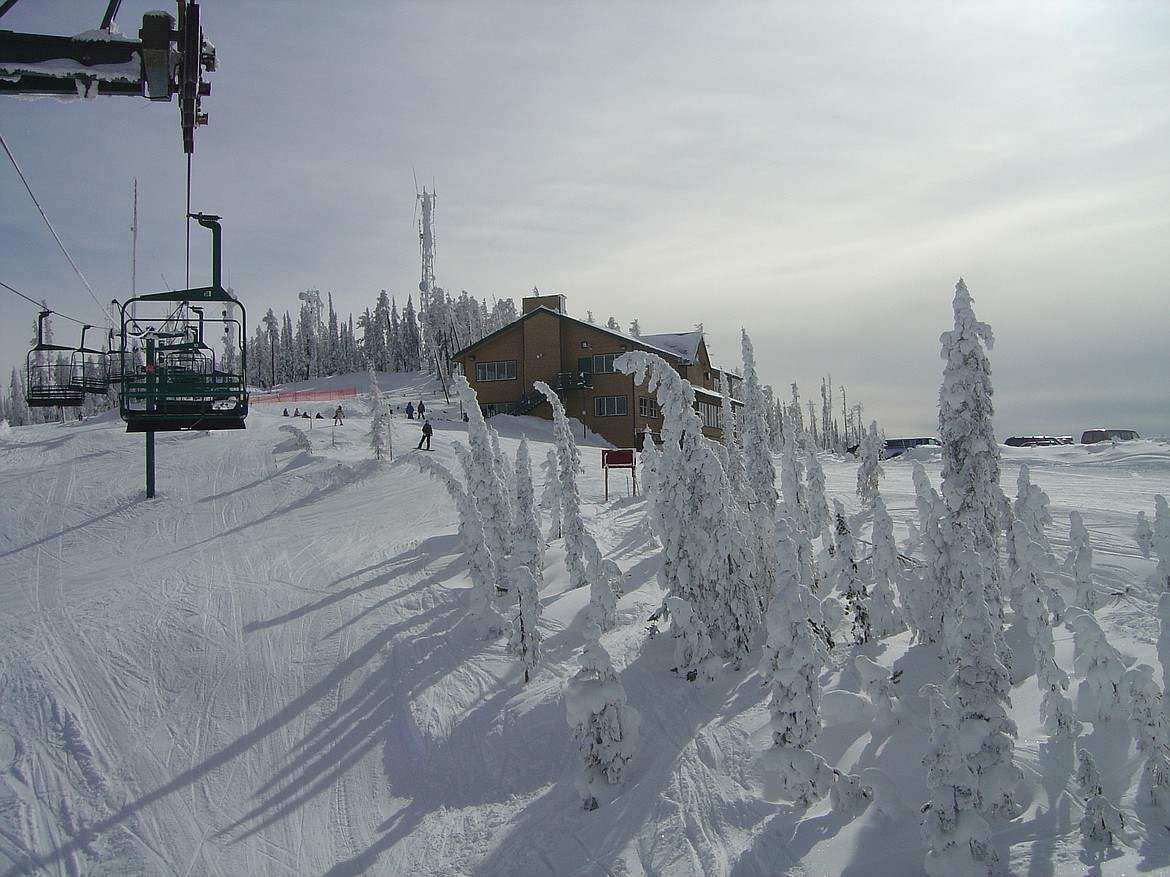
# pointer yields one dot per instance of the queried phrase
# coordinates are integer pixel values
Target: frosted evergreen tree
(694, 658)
(525, 639)
(957, 837)
(1101, 821)
(1080, 564)
(878, 685)
(582, 556)
(847, 577)
(818, 506)
(1154, 541)
(791, 664)
(761, 473)
(795, 504)
(707, 559)
(550, 497)
(1151, 734)
(980, 687)
(605, 726)
(528, 546)
(732, 456)
(486, 483)
(926, 595)
(885, 618)
(484, 615)
(1030, 558)
(380, 441)
(1100, 667)
(970, 454)
(869, 472)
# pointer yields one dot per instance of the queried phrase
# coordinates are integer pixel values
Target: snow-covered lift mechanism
(168, 58)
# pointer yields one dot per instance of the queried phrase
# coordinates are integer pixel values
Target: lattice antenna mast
(426, 237)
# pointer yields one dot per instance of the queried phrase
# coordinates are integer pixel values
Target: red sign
(621, 458)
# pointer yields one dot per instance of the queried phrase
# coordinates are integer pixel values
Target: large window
(603, 363)
(710, 414)
(647, 407)
(504, 370)
(609, 406)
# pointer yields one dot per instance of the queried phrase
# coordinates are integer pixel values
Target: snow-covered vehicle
(1094, 436)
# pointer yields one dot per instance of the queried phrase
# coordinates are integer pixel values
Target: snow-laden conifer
(970, 454)
(604, 725)
(380, 441)
(926, 596)
(795, 503)
(980, 687)
(1079, 563)
(1151, 734)
(1100, 668)
(1101, 821)
(732, 454)
(1154, 541)
(885, 617)
(527, 546)
(550, 497)
(761, 473)
(957, 837)
(707, 559)
(790, 667)
(525, 638)
(483, 572)
(582, 556)
(846, 576)
(694, 658)
(487, 484)
(816, 505)
(878, 685)
(869, 470)
(1031, 562)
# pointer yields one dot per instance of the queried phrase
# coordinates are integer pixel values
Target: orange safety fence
(308, 396)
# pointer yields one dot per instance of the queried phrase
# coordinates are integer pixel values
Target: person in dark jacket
(426, 436)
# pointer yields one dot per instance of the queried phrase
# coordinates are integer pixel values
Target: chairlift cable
(41, 306)
(53, 231)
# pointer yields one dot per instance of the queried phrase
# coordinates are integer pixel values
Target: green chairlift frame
(168, 376)
(51, 382)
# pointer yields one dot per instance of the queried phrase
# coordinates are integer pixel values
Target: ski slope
(267, 669)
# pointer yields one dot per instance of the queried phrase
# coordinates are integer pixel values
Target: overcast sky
(819, 173)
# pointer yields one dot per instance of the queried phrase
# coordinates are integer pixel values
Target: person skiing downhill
(337, 421)
(426, 436)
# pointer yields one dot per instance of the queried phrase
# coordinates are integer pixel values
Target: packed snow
(276, 666)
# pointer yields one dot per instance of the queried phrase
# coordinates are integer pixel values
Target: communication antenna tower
(426, 237)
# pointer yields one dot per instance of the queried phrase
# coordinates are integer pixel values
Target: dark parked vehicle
(897, 446)
(1037, 441)
(1093, 436)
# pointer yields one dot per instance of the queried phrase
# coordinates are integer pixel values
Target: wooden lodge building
(575, 358)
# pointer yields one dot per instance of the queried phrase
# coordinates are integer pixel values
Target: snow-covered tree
(1080, 564)
(483, 571)
(487, 483)
(605, 726)
(1100, 667)
(527, 546)
(1155, 541)
(980, 687)
(957, 837)
(795, 505)
(1151, 734)
(550, 497)
(885, 617)
(707, 557)
(869, 472)
(1101, 821)
(970, 454)
(815, 502)
(790, 666)
(380, 441)
(525, 638)
(582, 556)
(694, 658)
(1030, 559)
(846, 576)
(761, 473)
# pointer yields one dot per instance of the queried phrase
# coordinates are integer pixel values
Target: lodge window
(504, 370)
(647, 407)
(609, 406)
(603, 363)
(710, 414)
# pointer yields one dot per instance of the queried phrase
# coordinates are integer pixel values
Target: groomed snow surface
(268, 669)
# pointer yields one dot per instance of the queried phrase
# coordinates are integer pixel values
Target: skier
(426, 436)
(337, 421)
(410, 411)
(422, 409)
